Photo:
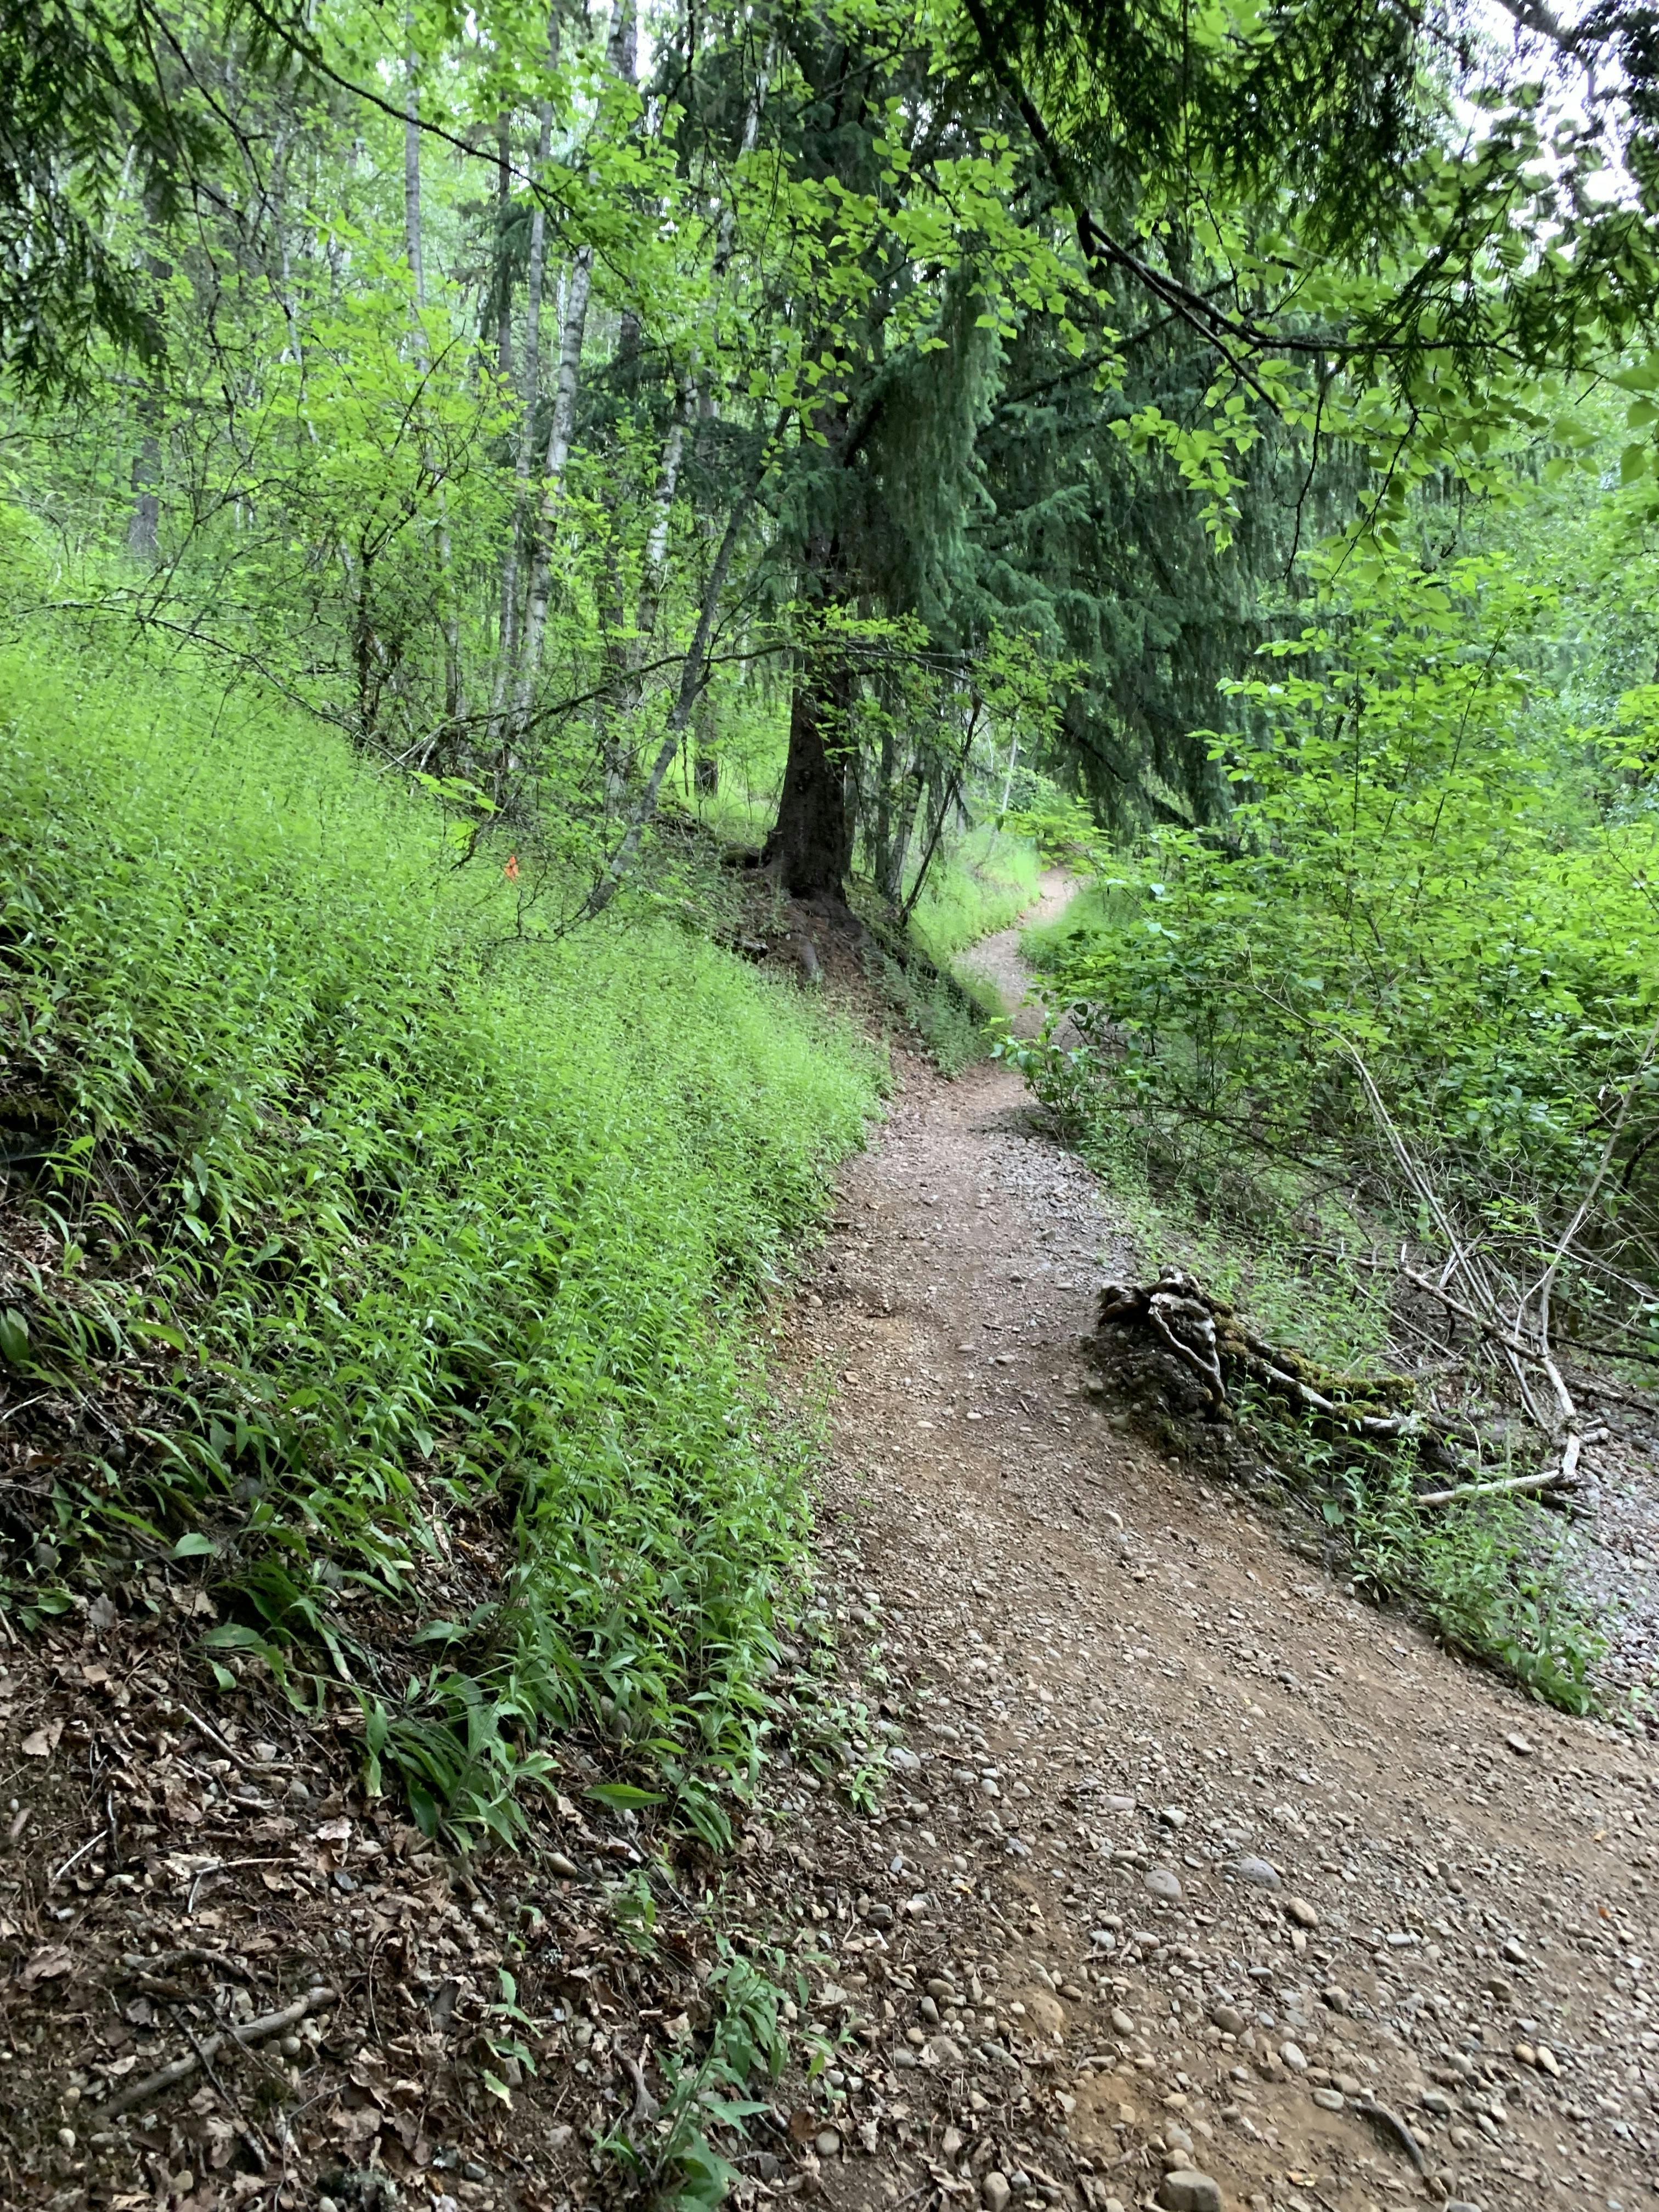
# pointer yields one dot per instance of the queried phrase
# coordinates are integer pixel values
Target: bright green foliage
(1418, 877)
(675, 2163)
(392, 1217)
(990, 880)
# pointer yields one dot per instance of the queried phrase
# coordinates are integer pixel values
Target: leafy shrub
(1427, 883)
(388, 1212)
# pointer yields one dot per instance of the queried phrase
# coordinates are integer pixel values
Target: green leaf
(155, 1332)
(622, 1794)
(14, 1337)
(194, 1545)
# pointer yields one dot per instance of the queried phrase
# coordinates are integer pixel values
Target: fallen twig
(1394, 2125)
(75, 1857)
(136, 1962)
(251, 2134)
(1553, 1478)
(253, 2031)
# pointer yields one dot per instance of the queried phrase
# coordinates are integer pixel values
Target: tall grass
(356, 1211)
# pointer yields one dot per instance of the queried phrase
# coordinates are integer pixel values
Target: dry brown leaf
(47, 1965)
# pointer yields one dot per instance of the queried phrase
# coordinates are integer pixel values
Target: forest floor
(1186, 1859)
(1233, 1874)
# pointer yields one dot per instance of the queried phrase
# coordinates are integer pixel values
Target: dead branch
(253, 2031)
(1550, 1478)
(1202, 1332)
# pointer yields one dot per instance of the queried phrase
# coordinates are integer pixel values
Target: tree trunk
(706, 760)
(811, 846)
(573, 329)
(895, 817)
(144, 524)
(412, 174)
(448, 619)
(621, 57)
(503, 278)
(508, 641)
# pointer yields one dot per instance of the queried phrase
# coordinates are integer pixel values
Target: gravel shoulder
(1211, 1870)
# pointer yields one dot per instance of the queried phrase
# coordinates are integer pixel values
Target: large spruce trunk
(811, 846)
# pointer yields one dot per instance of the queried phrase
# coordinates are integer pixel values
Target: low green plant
(669, 2159)
(1492, 1577)
(948, 1016)
(366, 1220)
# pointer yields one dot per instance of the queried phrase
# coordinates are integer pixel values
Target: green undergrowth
(949, 1016)
(1092, 909)
(983, 884)
(1494, 1577)
(350, 1226)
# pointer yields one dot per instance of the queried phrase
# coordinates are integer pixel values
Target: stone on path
(1186, 2189)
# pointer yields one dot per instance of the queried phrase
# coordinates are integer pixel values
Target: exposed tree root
(1217, 1351)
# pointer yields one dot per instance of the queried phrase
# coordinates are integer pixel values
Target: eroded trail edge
(1206, 1884)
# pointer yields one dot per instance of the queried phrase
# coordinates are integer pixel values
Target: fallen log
(1203, 1332)
(1206, 1336)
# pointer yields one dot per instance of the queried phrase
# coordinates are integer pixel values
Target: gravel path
(997, 958)
(1210, 1869)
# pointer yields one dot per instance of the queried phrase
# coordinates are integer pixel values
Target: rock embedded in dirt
(1299, 1909)
(994, 2192)
(1228, 2019)
(1293, 2056)
(1261, 1874)
(1163, 1882)
(1187, 2190)
(1122, 2021)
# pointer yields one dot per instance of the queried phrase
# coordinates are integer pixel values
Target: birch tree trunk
(620, 58)
(448, 619)
(512, 560)
(503, 279)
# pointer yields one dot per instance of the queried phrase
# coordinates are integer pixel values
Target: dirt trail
(998, 959)
(1208, 1865)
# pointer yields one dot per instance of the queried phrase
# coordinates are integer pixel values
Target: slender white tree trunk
(448, 620)
(620, 56)
(535, 279)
